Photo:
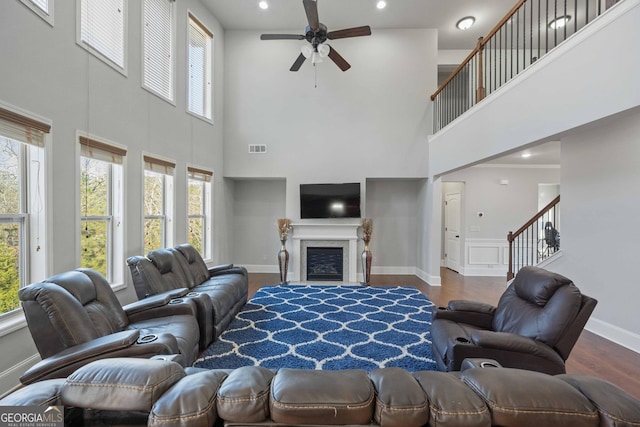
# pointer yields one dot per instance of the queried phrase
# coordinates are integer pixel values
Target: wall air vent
(257, 148)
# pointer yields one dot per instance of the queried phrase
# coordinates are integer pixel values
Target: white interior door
(452, 231)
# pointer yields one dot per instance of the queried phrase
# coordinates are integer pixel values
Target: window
(158, 47)
(199, 72)
(42, 8)
(158, 203)
(101, 200)
(21, 205)
(102, 30)
(199, 215)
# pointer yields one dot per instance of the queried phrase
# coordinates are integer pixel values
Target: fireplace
(325, 264)
(322, 234)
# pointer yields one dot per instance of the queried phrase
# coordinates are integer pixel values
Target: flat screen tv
(330, 200)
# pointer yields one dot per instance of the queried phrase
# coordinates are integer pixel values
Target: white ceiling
(338, 14)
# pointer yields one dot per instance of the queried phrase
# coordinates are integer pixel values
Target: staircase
(536, 240)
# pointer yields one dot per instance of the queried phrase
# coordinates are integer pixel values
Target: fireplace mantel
(344, 233)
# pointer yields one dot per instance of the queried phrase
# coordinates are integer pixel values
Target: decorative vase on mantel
(283, 262)
(284, 226)
(366, 256)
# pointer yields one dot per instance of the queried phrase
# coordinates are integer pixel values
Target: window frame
(115, 204)
(168, 204)
(46, 15)
(171, 99)
(208, 98)
(95, 51)
(207, 208)
(34, 186)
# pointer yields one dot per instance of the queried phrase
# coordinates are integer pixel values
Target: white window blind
(102, 27)
(158, 46)
(199, 174)
(20, 128)
(43, 5)
(101, 151)
(199, 84)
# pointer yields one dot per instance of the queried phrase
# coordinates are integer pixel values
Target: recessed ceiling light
(525, 155)
(559, 22)
(465, 23)
(263, 5)
(381, 4)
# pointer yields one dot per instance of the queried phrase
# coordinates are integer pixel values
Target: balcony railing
(530, 30)
(535, 241)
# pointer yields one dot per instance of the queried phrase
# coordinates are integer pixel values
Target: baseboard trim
(483, 272)
(430, 279)
(614, 333)
(393, 270)
(256, 268)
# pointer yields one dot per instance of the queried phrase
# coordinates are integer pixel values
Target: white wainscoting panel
(485, 257)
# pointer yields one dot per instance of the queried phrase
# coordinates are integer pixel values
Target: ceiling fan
(316, 34)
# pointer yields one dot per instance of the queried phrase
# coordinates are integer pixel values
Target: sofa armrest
(473, 306)
(154, 301)
(505, 341)
(469, 312)
(72, 355)
(219, 268)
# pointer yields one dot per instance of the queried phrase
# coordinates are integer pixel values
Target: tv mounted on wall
(330, 200)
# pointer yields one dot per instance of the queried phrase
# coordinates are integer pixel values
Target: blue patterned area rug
(328, 327)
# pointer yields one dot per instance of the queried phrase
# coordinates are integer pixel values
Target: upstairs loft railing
(529, 30)
(535, 241)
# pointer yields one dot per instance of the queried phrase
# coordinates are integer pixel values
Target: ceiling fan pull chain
(315, 76)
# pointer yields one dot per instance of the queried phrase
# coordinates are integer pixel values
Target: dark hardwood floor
(592, 355)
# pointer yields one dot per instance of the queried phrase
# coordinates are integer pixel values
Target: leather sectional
(181, 272)
(164, 394)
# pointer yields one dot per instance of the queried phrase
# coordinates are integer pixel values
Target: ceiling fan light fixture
(381, 4)
(263, 5)
(307, 51)
(559, 22)
(465, 23)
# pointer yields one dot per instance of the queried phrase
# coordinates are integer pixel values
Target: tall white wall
(369, 122)
(600, 210)
(323, 125)
(46, 73)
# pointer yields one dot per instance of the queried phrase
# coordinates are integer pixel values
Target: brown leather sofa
(162, 393)
(534, 326)
(181, 272)
(75, 318)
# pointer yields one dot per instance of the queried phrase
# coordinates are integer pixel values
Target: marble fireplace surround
(344, 235)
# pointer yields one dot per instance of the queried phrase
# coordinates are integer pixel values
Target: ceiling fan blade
(311, 9)
(281, 37)
(349, 32)
(339, 60)
(299, 61)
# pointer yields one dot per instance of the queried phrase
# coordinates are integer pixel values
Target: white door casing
(452, 231)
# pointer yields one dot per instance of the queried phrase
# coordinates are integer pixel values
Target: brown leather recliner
(534, 326)
(75, 318)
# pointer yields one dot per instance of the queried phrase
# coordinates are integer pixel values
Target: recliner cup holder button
(462, 340)
(145, 339)
(488, 365)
